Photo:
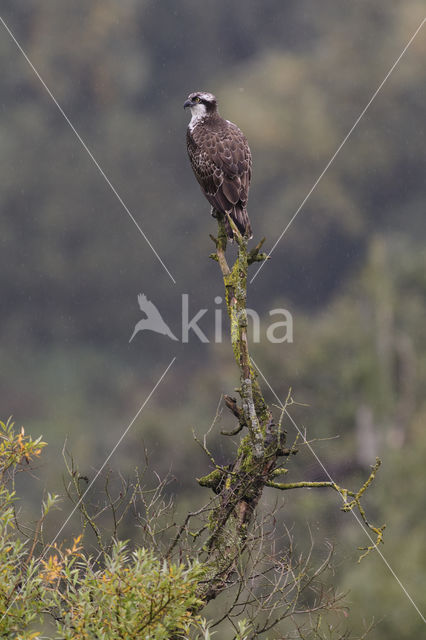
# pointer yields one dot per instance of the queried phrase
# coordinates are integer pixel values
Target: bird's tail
(240, 217)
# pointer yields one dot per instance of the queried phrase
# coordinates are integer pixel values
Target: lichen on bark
(240, 484)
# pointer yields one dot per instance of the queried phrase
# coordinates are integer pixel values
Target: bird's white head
(201, 104)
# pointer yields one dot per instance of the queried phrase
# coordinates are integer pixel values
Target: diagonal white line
(88, 151)
(331, 480)
(342, 144)
(113, 450)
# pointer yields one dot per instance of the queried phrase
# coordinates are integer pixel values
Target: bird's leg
(233, 228)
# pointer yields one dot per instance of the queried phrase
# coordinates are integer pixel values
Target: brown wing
(221, 161)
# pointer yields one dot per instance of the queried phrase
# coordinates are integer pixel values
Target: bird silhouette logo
(153, 320)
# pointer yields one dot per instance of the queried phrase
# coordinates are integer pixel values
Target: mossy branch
(239, 485)
(235, 281)
(344, 493)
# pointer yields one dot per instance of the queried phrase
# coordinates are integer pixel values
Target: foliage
(121, 595)
(129, 594)
(295, 79)
(20, 580)
(133, 595)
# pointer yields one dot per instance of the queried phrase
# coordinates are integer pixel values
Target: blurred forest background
(294, 76)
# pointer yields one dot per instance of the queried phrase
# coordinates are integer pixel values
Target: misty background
(351, 268)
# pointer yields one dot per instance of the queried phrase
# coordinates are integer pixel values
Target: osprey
(221, 160)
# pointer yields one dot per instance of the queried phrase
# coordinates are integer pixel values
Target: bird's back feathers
(221, 161)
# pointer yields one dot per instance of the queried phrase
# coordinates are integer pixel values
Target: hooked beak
(188, 103)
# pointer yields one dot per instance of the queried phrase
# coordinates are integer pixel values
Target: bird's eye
(197, 99)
